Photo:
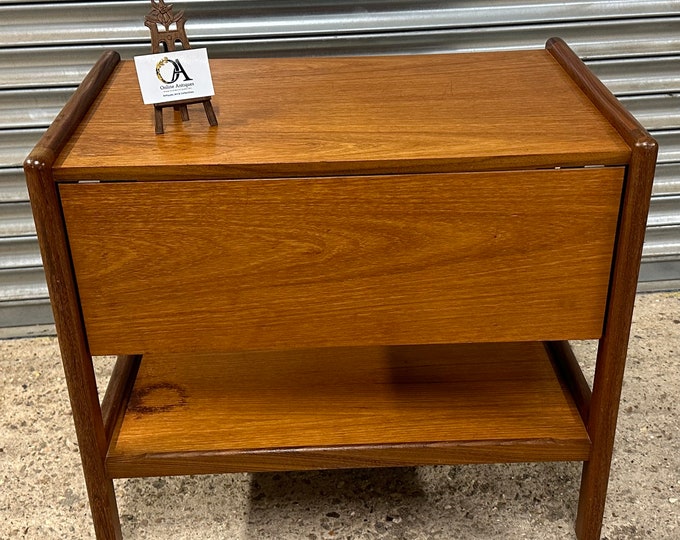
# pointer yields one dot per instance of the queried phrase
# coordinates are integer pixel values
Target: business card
(174, 76)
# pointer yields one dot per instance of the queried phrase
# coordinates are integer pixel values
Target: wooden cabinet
(371, 261)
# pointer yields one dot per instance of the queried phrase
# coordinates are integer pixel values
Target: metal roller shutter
(47, 47)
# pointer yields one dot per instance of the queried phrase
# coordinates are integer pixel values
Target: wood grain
(345, 407)
(358, 115)
(239, 265)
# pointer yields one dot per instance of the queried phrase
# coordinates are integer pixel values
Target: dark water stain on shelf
(157, 398)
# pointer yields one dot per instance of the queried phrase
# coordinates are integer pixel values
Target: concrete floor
(42, 493)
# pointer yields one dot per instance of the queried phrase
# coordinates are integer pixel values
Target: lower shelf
(345, 407)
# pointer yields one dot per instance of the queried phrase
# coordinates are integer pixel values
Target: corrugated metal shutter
(47, 47)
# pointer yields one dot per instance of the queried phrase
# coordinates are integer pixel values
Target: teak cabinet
(371, 261)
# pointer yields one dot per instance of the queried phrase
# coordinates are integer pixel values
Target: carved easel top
(167, 28)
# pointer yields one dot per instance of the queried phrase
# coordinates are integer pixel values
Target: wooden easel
(161, 15)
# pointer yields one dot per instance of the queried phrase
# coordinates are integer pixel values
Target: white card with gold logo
(174, 76)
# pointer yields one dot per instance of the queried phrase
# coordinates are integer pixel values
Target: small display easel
(164, 38)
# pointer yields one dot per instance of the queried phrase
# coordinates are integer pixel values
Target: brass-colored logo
(176, 72)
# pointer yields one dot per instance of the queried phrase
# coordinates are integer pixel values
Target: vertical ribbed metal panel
(47, 47)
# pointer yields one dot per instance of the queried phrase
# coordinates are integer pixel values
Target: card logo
(177, 70)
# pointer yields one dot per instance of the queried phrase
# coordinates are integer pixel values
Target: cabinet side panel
(268, 264)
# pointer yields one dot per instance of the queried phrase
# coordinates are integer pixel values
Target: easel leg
(184, 111)
(209, 112)
(158, 117)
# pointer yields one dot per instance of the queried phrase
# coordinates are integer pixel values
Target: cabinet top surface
(349, 115)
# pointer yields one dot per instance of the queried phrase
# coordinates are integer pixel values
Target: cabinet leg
(81, 381)
(92, 442)
(92, 439)
(601, 423)
(591, 502)
(104, 511)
